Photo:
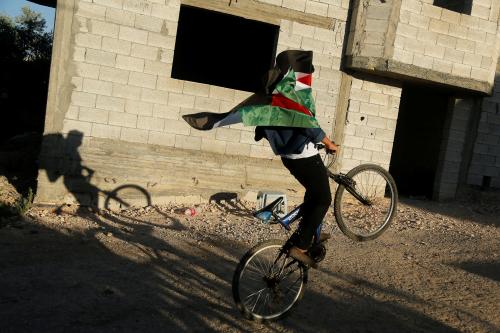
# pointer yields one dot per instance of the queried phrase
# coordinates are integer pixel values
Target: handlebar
(329, 157)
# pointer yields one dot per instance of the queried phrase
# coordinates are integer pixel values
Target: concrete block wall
(122, 87)
(485, 161)
(438, 39)
(371, 123)
(111, 81)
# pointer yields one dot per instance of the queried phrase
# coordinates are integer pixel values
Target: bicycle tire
(136, 196)
(344, 202)
(273, 247)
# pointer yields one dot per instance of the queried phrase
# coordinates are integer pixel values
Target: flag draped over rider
(286, 98)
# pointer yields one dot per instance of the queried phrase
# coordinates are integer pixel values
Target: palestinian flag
(286, 101)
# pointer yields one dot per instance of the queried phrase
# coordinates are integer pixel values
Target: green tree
(25, 38)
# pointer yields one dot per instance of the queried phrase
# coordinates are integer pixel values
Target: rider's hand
(331, 147)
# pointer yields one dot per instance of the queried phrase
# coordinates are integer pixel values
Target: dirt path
(437, 269)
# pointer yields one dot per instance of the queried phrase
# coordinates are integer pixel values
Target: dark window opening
(223, 50)
(417, 141)
(459, 6)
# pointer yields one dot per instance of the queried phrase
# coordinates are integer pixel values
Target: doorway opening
(417, 141)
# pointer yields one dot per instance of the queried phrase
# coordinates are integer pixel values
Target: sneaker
(298, 255)
(324, 236)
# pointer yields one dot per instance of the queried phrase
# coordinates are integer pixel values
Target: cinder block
(160, 138)
(419, 21)
(138, 6)
(129, 63)
(379, 99)
(133, 35)
(155, 68)
(476, 35)
(472, 59)
(82, 126)
(362, 155)
(442, 66)
(299, 5)
(180, 100)
(110, 103)
(455, 56)
(450, 17)
(139, 108)
(150, 123)
(480, 74)
(227, 134)
(123, 119)
(439, 26)
(88, 40)
(261, 152)
(403, 56)
(149, 23)
(166, 111)
(384, 135)
(142, 80)
(72, 112)
(109, 3)
(100, 57)
(105, 131)
(169, 13)
(458, 31)
(187, 142)
(353, 141)
(447, 41)
(97, 87)
(317, 8)
(176, 127)
(221, 93)
(369, 109)
(120, 17)
(196, 89)
(113, 74)
(83, 99)
(85, 70)
(134, 135)
(364, 131)
(93, 115)
(214, 146)
(412, 6)
(90, 10)
(381, 158)
(312, 44)
(238, 148)
(480, 12)
(126, 91)
(461, 70)
(169, 84)
(431, 11)
(159, 40)
(377, 122)
(207, 104)
(166, 56)
(154, 96)
(116, 46)
(144, 51)
(435, 51)
(104, 28)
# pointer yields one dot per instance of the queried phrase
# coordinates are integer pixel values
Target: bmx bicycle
(268, 283)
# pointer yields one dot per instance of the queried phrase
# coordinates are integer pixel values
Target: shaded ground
(437, 269)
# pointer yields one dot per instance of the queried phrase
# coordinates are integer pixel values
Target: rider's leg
(311, 173)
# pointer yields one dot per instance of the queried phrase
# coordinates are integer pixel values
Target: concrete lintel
(263, 12)
(405, 72)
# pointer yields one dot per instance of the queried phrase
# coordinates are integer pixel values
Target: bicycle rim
(262, 289)
(366, 220)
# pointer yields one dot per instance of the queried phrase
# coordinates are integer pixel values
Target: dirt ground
(436, 269)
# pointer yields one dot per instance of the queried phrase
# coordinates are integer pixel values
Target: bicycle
(364, 205)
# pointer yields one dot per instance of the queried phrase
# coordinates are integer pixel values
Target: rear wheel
(267, 283)
(365, 206)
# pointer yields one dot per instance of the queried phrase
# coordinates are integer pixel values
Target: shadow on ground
(131, 275)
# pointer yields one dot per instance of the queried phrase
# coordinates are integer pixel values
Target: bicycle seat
(265, 213)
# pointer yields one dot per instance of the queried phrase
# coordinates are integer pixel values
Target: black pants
(311, 173)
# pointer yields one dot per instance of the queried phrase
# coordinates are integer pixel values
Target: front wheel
(267, 283)
(366, 204)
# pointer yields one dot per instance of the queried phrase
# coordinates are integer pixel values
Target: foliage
(24, 37)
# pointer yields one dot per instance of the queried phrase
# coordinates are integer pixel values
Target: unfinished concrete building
(400, 83)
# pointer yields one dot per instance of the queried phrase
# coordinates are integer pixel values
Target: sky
(13, 8)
